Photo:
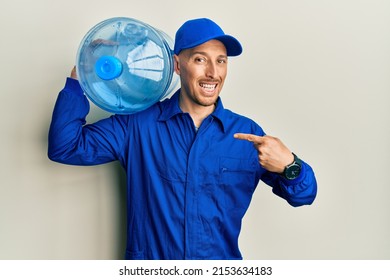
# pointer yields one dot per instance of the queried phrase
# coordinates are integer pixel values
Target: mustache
(210, 81)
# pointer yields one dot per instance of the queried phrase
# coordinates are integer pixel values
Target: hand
(73, 74)
(274, 156)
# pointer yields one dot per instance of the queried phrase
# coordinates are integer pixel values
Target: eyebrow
(206, 54)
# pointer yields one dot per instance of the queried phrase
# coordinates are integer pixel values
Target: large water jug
(124, 65)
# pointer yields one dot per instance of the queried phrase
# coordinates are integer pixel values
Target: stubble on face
(202, 72)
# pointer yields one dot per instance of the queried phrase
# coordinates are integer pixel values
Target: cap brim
(233, 46)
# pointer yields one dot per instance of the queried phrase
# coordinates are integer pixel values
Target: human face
(202, 72)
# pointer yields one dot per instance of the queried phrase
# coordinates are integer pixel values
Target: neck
(197, 112)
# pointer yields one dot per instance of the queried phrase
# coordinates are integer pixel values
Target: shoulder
(145, 118)
(238, 122)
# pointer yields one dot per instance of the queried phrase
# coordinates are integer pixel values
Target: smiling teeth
(208, 86)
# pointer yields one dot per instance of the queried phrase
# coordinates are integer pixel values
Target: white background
(314, 73)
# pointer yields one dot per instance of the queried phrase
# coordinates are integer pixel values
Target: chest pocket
(238, 182)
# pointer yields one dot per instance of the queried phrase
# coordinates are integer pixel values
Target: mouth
(208, 87)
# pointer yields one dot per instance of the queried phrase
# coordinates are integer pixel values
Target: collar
(170, 108)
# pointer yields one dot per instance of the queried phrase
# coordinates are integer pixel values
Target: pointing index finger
(249, 137)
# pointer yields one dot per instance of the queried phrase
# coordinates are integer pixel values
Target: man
(192, 165)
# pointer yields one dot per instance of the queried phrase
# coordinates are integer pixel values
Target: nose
(211, 70)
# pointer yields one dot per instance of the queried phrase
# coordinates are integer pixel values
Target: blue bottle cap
(108, 67)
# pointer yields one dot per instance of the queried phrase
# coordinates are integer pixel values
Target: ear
(176, 61)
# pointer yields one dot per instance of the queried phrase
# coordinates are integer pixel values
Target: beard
(206, 102)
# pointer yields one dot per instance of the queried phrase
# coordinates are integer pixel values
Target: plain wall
(316, 74)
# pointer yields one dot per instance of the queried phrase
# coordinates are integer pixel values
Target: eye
(222, 60)
(200, 59)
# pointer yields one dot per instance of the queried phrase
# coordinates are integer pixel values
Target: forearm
(297, 192)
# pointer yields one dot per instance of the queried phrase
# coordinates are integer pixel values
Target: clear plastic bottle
(125, 66)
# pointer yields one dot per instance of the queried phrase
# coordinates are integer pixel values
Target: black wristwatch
(293, 170)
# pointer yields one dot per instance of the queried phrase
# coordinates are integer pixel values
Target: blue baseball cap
(198, 31)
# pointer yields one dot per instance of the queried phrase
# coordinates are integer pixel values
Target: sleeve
(72, 141)
(297, 192)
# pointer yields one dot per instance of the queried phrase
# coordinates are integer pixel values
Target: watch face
(293, 171)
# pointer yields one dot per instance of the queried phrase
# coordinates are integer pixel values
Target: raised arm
(71, 140)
